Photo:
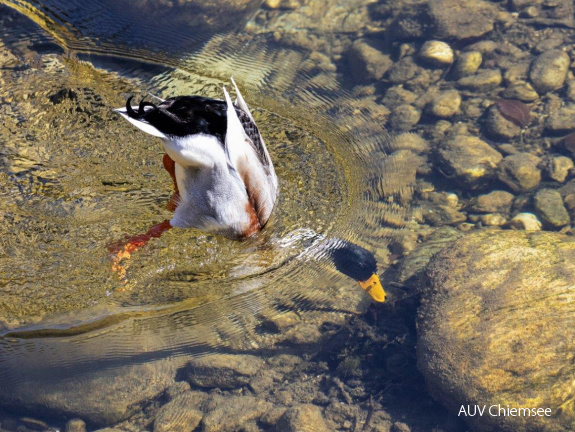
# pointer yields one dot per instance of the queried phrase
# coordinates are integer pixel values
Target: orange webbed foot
(122, 251)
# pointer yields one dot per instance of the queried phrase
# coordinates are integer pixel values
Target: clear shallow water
(76, 178)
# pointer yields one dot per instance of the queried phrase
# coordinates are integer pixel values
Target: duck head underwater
(224, 180)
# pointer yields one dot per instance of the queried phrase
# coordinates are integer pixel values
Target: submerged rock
(520, 171)
(404, 117)
(463, 19)
(98, 395)
(302, 418)
(562, 121)
(409, 141)
(559, 168)
(550, 208)
(367, 63)
(233, 412)
(498, 330)
(493, 219)
(522, 91)
(413, 265)
(549, 70)
(75, 425)
(437, 53)
(525, 222)
(181, 414)
(493, 202)
(482, 81)
(467, 63)
(469, 160)
(223, 370)
(498, 127)
(446, 104)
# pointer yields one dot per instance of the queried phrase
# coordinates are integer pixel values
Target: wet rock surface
(481, 81)
(469, 160)
(496, 201)
(559, 168)
(498, 127)
(446, 104)
(304, 418)
(550, 208)
(549, 70)
(461, 20)
(367, 63)
(520, 172)
(222, 370)
(525, 222)
(180, 414)
(489, 333)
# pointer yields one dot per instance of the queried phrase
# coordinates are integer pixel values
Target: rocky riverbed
(479, 97)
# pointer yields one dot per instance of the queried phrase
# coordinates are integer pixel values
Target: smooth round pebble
(446, 104)
(437, 53)
(525, 222)
(404, 117)
(493, 219)
(273, 4)
(467, 63)
(452, 200)
(410, 141)
(549, 70)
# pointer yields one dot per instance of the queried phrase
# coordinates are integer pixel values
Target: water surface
(77, 178)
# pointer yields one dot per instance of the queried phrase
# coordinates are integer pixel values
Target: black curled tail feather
(141, 112)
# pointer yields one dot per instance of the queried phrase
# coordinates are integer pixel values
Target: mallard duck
(224, 179)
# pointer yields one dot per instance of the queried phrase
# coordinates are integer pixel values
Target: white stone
(436, 52)
(526, 222)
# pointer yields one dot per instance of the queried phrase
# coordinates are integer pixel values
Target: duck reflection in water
(224, 179)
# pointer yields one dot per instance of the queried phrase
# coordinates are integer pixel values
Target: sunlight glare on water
(77, 178)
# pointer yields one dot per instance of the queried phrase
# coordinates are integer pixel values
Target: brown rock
(494, 202)
(368, 63)
(495, 327)
(302, 418)
(234, 412)
(520, 171)
(549, 70)
(463, 19)
(469, 160)
(181, 414)
(223, 370)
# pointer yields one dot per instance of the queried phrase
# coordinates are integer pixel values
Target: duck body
(224, 179)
